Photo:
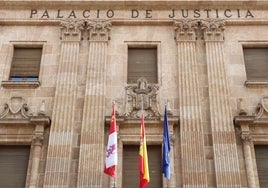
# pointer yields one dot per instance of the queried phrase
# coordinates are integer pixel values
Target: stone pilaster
(223, 135)
(61, 135)
(90, 172)
(192, 136)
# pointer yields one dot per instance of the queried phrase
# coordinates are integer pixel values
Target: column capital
(71, 30)
(213, 29)
(185, 30)
(99, 30)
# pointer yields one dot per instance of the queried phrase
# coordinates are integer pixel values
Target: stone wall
(201, 76)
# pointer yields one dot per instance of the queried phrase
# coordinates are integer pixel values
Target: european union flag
(166, 148)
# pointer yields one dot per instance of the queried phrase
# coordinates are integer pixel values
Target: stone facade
(216, 115)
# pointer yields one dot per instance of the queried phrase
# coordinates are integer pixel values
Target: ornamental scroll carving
(141, 98)
(15, 108)
(262, 108)
(185, 30)
(213, 29)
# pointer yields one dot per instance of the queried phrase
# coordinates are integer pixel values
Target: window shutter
(142, 62)
(13, 165)
(256, 62)
(261, 153)
(26, 62)
(131, 170)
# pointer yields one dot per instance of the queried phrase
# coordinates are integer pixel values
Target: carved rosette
(99, 30)
(71, 30)
(213, 29)
(141, 98)
(246, 137)
(185, 30)
(38, 139)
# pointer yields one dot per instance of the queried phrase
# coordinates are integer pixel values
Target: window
(142, 62)
(25, 64)
(261, 152)
(256, 62)
(131, 170)
(13, 165)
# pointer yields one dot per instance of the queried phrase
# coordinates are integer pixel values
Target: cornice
(119, 4)
(114, 22)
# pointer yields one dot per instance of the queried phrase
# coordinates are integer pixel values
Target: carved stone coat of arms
(141, 98)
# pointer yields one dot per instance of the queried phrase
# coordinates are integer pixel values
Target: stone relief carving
(185, 30)
(16, 108)
(141, 98)
(213, 29)
(246, 137)
(262, 108)
(38, 139)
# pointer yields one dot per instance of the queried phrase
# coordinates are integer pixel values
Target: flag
(166, 148)
(111, 152)
(143, 158)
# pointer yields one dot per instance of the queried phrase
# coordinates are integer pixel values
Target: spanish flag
(143, 159)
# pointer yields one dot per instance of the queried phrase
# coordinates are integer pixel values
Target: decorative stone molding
(99, 30)
(251, 83)
(260, 116)
(16, 110)
(185, 30)
(141, 98)
(20, 84)
(213, 29)
(71, 30)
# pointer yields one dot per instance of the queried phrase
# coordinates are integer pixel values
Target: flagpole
(114, 183)
(165, 108)
(166, 149)
(113, 106)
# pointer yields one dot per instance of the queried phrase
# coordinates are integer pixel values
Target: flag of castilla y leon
(111, 152)
(143, 158)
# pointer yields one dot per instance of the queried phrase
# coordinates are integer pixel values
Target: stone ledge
(250, 83)
(20, 84)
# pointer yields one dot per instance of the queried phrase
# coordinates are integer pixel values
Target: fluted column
(90, 172)
(61, 134)
(223, 135)
(192, 136)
